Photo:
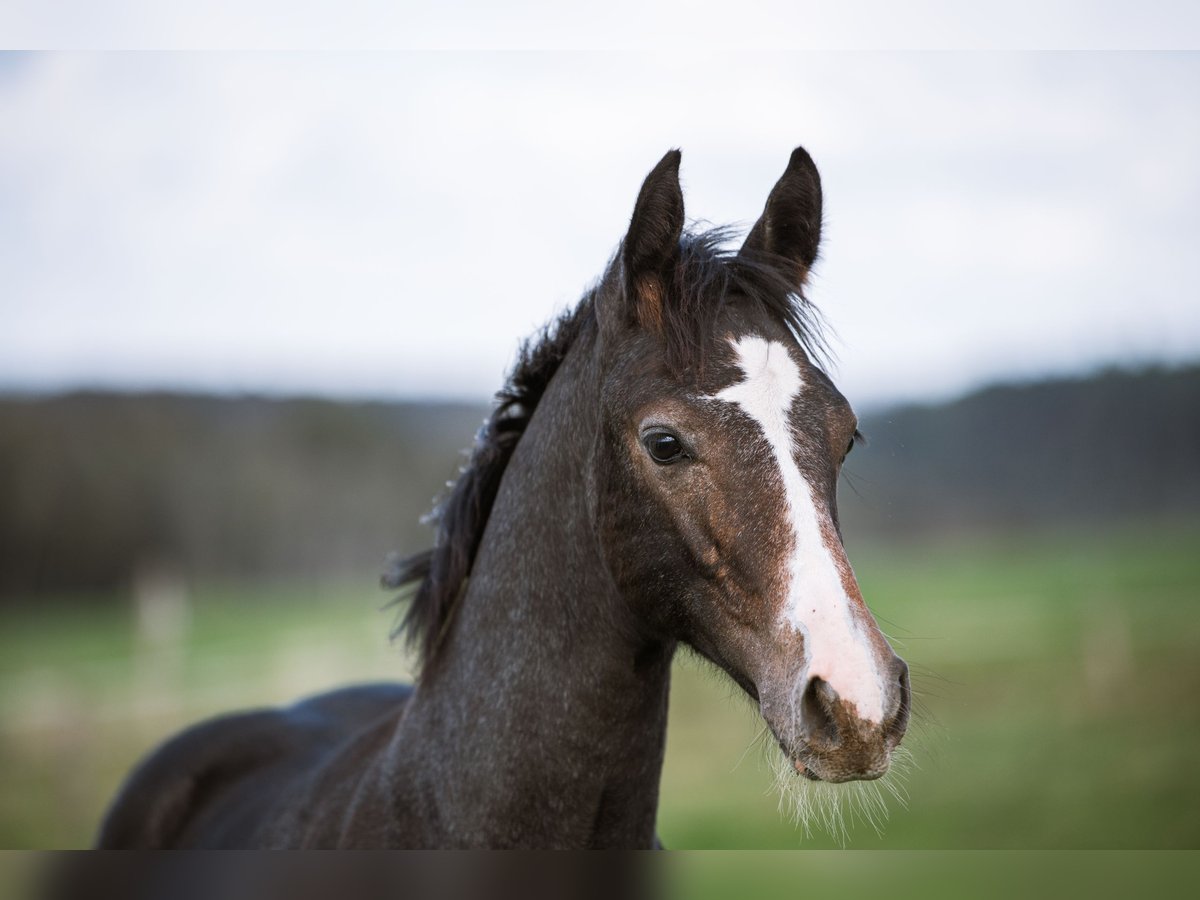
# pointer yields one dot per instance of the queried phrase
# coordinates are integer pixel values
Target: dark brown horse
(661, 468)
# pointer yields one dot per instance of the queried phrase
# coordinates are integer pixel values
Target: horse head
(715, 473)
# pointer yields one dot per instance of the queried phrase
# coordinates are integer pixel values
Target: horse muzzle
(827, 740)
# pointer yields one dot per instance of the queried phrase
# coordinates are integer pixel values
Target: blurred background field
(253, 304)
(1049, 611)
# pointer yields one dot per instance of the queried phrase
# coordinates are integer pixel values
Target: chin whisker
(835, 809)
(757, 740)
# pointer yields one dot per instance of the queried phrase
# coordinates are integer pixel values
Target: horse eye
(664, 448)
(856, 438)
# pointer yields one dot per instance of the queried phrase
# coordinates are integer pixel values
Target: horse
(660, 469)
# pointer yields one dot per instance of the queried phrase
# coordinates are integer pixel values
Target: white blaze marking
(817, 605)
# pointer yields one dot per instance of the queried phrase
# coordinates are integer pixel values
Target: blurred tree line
(95, 487)
(1118, 446)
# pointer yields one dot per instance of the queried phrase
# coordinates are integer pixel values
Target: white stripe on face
(817, 605)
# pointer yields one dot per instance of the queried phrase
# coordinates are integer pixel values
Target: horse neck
(551, 710)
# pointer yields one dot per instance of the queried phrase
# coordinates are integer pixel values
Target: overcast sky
(392, 224)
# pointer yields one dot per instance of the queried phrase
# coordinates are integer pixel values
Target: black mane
(707, 274)
(461, 515)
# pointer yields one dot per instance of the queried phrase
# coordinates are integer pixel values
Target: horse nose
(896, 723)
(818, 715)
(828, 726)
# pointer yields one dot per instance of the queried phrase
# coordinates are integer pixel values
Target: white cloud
(396, 222)
(619, 24)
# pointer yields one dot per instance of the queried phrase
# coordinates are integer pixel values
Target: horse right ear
(788, 234)
(650, 250)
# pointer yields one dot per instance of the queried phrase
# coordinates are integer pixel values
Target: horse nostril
(897, 724)
(817, 714)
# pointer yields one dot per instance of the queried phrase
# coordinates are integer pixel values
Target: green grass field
(1058, 678)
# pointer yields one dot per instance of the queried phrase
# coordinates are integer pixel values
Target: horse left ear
(650, 250)
(788, 233)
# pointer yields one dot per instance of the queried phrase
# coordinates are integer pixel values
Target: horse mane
(461, 515)
(706, 275)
